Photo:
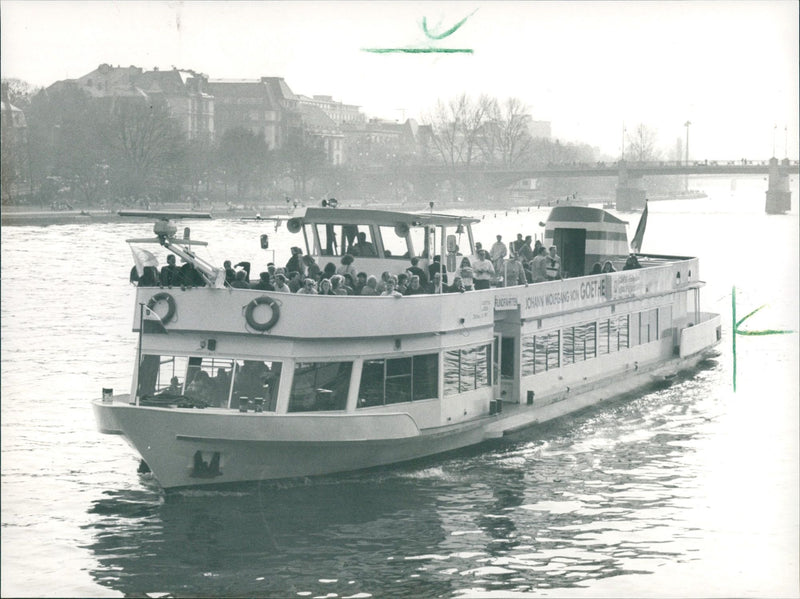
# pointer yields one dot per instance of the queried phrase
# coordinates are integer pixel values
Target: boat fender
(262, 326)
(401, 229)
(171, 306)
(294, 226)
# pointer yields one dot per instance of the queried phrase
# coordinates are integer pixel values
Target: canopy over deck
(359, 216)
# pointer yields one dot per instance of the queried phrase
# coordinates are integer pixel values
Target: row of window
(316, 386)
(588, 340)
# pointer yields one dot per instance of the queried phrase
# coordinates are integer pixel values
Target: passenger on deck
(630, 264)
(347, 267)
(497, 253)
(517, 244)
(330, 270)
(263, 283)
(414, 269)
(436, 267)
(457, 286)
(596, 269)
(553, 264)
(246, 268)
(271, 270)
(134, 276)
(402, 283)
(295, 281)
(312, 268)
(370, 288)
(239, 282)
(539, 266)
(280, 284)
(363, 247)
(325, 287)
(483, 271)
(390, 289)
(435, 286)
(309, 287)
(295, 262)
(190, 276)
(361, 280)
(348, 284)
(149, 277)
(337, 285)
(513, 273)
(414, 287)
(385, 276)
(230, 274)
(608, 267)
(466, 274)
(170, 274)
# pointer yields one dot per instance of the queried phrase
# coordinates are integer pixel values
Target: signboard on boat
(569, 294)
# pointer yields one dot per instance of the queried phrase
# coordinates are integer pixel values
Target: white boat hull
(259, 446)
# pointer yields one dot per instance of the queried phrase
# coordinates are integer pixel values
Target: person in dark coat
(294, 264)
(170, 274)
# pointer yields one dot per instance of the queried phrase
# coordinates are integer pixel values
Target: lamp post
(687, 124)
(774, 130)
(623, 141)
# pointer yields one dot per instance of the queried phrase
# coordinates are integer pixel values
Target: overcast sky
(731, 68)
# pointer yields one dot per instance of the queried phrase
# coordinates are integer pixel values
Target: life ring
(294, 225)
(401, 229)
(262, 326)
(171, 306)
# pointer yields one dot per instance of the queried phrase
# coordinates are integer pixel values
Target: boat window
(394, 246)
(540, 353)
(418, 242)
(329, 238)
(466, 369)
(665, 321)
(257, 381)
(364, 244)
(396, 380)
(209, 380)
(579, 343)
(320, 386)
(161, 375)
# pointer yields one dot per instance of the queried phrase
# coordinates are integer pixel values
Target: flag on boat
(151, 322)
(143, 258)
(636, 243)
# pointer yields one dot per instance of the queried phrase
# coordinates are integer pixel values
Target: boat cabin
(380, 240)
(584, 236)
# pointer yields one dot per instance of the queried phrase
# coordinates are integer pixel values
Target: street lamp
(687, 124)
(774, 130)
(623, 141)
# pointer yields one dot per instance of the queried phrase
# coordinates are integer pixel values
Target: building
(338, 112)
(322, 132)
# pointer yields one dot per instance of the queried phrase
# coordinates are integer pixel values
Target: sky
(593, 69)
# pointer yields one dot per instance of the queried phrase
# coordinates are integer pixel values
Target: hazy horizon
(731, 68)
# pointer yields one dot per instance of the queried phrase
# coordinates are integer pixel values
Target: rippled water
(690, 490)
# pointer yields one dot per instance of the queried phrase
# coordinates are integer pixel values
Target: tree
(146, 145)
(642, 144)
(301, 160)
(507, 139)
(243, 157)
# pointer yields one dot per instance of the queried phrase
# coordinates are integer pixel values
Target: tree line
(128, 150)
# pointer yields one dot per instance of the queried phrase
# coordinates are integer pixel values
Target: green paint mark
(738, 331)
(450, 31)
(429, 35)
(418, 50)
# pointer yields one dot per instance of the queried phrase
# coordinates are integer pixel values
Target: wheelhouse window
(209, 380)
(397, 380)
(394, 245)
(256, 381)
(161, 376)
(320, 386)
(466, 369)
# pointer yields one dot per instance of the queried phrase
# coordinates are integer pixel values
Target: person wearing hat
(295, 263)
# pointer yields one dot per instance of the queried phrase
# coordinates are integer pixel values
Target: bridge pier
(779, 196)
(630, 190)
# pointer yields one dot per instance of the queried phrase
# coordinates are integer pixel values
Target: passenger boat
(300, 385)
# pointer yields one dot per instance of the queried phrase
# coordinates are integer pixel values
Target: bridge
(631, 193)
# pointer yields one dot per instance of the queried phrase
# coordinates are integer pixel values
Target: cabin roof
(358, 216)
(583, 214)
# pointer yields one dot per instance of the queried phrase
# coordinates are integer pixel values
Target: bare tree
(642, 144)
(507, 139)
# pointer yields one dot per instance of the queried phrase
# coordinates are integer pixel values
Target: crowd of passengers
(522, 263)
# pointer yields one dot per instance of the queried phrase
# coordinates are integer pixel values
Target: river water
(686, 491)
